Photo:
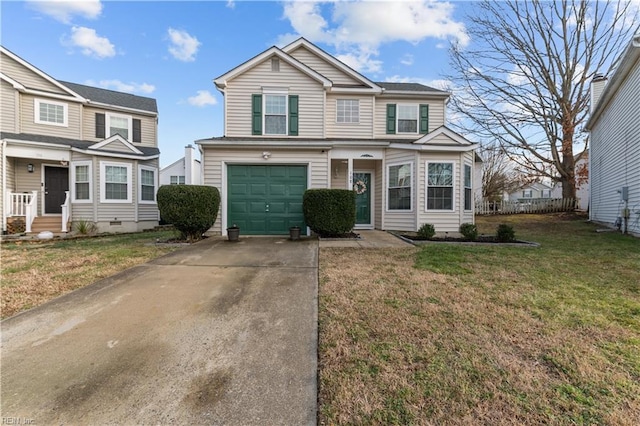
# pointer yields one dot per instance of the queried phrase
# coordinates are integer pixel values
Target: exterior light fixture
(266, 155)
(30, 168)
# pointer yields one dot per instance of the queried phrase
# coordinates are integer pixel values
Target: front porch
(21, 215)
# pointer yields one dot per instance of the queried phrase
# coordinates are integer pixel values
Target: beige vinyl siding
(116, 146)
(123, 212)
(399, 220)
(214, 160)
(29, 125)
(443, 221)
(615, 155)
(148, 128)
(240, 89)
(148, 212)
(86, 211)
(436, 115)
(28, 78)
(323, 67)
(27, 182)
(362, 130)
(339, 174)
(8, 108)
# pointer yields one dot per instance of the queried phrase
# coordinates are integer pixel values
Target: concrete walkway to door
(216, 333)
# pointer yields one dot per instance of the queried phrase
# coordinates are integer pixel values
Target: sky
(172, 50)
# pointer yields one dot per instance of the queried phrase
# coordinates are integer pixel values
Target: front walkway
(368, 239)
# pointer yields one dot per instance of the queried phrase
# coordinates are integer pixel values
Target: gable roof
(221, 81)
(111, 97)
(411, 87)
(118, 139)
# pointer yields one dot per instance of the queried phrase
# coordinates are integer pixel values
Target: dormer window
(275, 64)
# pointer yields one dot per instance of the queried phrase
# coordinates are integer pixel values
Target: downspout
(4, 185)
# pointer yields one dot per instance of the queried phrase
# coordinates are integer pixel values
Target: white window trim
(36, 112)
(453, 187)
(74, 164)
(275, 92)
(103, 166)
(387, 209)
(527, 193)
(347, 122)
(155, 184)
(417, 108)
(129, 125)
(177, 179)
(464, 187)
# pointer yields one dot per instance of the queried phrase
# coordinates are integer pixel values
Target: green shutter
(100, 126)
(256, 117)
(424, 118)
(137, 130)
(293, 115)
(391, 119)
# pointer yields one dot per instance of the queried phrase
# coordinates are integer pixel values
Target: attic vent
(275, 64)
(366, 156)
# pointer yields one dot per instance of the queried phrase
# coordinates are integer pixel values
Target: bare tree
(524, 80)
(498, 174)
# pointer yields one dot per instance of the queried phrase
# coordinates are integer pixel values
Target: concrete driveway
(217, 333)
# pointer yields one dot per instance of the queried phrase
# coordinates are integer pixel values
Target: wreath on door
(360, 187)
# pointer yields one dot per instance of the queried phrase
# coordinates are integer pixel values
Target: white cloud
(90, 42)
(143, 88)
(203, 98)
(519, 76)
(358, 28)
(64, 11)
(407, 60)
(231, 4)
(184, 46)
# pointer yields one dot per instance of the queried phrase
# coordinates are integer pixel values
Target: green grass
(34, 272)
(485, 334)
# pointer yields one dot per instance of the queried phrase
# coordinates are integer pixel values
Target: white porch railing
(23, 204)
(65, 212)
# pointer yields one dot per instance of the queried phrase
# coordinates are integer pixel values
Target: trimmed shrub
(505, 233)
(469, 231)
(192, 209)
(329, 212)
(427, 231)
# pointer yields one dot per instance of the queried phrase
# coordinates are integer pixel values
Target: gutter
(4, 185)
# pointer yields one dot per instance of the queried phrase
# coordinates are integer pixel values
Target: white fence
(537, 205)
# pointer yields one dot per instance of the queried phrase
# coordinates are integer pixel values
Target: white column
(349, 173)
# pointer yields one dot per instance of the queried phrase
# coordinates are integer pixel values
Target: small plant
(427, 231)
(469, 231)
(85, 227)
(505, 233)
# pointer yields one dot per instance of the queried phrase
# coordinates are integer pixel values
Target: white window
(439, 186)
(120, 124)
(115, 182)
(467, 187)
(50, 112)
(348, 111)
(82, 181)
(407, 119)
(275, 114)
(527, 193)
(400, 178)
(177, 180)
(148, 183)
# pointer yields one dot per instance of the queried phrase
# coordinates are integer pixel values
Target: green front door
(265, 200)
(362, 187)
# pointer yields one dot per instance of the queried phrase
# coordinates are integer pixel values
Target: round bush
(469, 231)
(505, 233)
(427, 231)
(329, 212)
(192, 209)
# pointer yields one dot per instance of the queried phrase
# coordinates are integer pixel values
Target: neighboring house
(298, 118)
(614, 151)
(582, 181)
(530, 191)
(185, 171)
(75, 153)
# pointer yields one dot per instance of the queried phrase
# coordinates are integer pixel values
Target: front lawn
(450, 334)
(35, 272)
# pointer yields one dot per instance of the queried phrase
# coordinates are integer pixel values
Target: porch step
(46, 223)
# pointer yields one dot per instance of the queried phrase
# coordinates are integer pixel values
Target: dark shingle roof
(408, 87)
(112, 97)
(75, 143)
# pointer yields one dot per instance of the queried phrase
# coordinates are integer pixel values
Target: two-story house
(72, 153)
(298, 118)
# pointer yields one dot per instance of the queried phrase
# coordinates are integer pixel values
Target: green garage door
(265, 200)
